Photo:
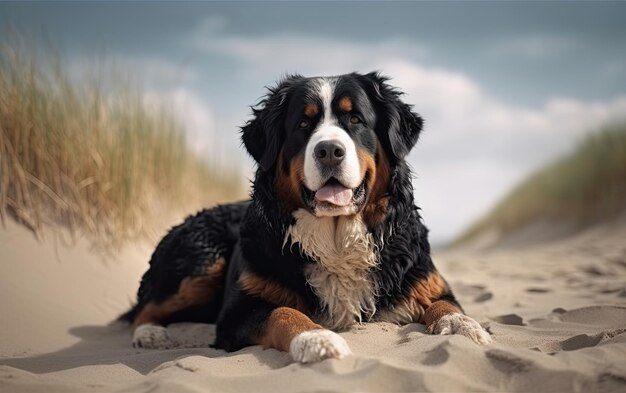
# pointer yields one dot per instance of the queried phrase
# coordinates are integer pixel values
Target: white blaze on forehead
(325, 90)
(348, 172)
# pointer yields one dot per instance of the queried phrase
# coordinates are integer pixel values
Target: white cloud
(200, 122)
(197, 116)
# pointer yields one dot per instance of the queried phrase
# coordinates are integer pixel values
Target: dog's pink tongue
(335, 194)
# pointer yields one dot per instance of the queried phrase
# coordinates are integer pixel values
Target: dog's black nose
(329, 153)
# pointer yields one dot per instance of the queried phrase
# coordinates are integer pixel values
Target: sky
(504, 88)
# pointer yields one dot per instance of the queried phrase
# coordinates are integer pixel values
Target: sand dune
(557, 313)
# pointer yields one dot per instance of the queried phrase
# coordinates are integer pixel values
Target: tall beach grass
(583, 188)
(93, 156)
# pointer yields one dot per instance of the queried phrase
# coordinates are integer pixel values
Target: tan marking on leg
(421, 296)
(282, 326)
(270, 291)
(345, 104)
(437, 310)
(427, 290)
(192, 291)
(311, 110)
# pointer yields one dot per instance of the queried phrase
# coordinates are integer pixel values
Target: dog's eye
(355, 120)
(303, 124)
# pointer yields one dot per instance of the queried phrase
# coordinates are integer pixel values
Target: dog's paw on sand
(316, 345)
(457, 323)
(152, 337)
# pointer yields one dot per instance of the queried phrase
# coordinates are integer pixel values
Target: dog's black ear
(397, 126)
(262, 135)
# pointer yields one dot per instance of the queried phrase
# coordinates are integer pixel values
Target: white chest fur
(345, 254)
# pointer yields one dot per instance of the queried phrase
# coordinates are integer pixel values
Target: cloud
(457, 109)
(200, 122)
(197, 116)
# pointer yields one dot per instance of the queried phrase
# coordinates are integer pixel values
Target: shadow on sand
(108, 345)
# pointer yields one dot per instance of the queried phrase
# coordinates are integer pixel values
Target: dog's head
(331, 141)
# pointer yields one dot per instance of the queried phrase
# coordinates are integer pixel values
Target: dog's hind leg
(197, 299)
(185, 281)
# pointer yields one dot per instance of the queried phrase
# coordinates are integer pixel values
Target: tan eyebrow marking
(311, 110)
(345, 104)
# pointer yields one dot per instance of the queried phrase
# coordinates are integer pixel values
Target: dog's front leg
(250, 321)
(445, 317)
(290, 330)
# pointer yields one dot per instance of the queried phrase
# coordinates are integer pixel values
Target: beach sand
(557, 313)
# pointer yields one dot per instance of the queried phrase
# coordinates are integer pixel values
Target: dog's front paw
(457, 323)
(152, 337)
(316, 345)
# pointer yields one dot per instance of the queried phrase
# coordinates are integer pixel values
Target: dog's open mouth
(334, 193)
(335, 196)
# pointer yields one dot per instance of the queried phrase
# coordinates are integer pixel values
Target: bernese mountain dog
(331, 236)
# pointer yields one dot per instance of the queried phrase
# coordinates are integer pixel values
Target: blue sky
(503, 87)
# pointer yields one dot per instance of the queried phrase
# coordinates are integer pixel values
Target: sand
(557, 312)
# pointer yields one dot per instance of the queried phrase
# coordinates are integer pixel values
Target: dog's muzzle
(332, 176)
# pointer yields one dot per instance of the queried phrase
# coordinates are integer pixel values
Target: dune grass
(583, 188)
(94, 156)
